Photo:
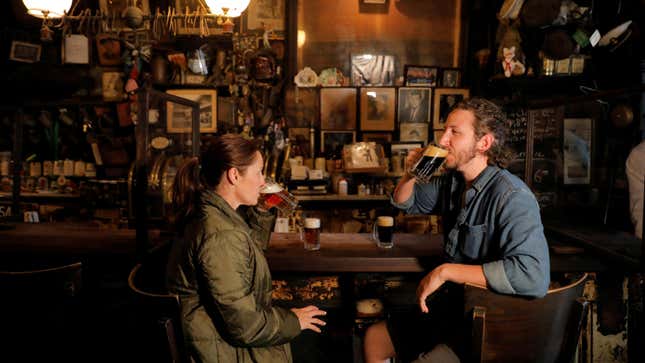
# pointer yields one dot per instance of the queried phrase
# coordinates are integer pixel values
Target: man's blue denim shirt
(499, 227)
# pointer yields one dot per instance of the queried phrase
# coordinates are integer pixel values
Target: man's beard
(462, 158)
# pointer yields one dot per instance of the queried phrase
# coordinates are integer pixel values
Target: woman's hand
(307, 317)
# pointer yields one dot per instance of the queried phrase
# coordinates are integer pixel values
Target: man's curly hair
(489, 119)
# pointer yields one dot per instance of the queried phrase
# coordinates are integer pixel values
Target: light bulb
(229, 8)
(47, 8)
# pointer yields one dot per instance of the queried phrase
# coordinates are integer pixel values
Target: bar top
(354, 252)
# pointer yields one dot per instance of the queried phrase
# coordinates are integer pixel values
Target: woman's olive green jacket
(219, 271)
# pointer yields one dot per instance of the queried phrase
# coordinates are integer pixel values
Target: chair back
(514, 329)
(157, 311)
(39, 312)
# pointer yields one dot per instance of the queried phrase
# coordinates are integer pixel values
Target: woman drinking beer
(217, 267)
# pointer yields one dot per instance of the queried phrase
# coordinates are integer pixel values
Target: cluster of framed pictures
(418, 110)
(430, 76)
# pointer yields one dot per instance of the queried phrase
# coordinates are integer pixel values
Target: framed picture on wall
(301, 137)
(25, 52)
(444, 100)
(266, 14)
(420, 76)
(414, 105)
(450, 77)
(414, 132)
(180, 117)
(577, 150)
(333, 141)
(338, 108)
(372, 70)
(112, 86)
(377, 109)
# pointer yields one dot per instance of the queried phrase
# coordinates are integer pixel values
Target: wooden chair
(39, 313)
(157, 311)
(514, 329)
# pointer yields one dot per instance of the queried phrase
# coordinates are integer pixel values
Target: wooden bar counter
(354, 252)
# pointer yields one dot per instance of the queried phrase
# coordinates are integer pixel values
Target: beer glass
(432, 157)
(274, 195)
(383, 231)
(310, 234)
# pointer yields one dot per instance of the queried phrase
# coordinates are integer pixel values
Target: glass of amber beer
(273, 194)
(431, 158)
(310, 234)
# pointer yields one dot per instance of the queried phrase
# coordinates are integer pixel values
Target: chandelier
(227, 8)
(47, 8)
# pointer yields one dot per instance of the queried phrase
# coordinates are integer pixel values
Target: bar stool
(157, 311)
(514, 329)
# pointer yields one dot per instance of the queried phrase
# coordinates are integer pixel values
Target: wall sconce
(47, 10)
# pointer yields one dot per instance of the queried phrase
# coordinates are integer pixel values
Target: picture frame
(332, 141)
(25, 52)
(112, 86)
(377, 108)
(372, 69)
(404, 146)
(338, 108)
(577, 147)
(450, 77)
(414, 104)
(301, 136)
(180, 117)
(444, 100)
(190, 24)
(420, 76)
(414, 132)
(383, 138)
(266, 14)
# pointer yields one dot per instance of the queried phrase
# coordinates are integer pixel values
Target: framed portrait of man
(414, 105)
(445, 100)
(377, 108)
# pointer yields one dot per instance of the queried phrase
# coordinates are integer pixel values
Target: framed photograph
(577, 150)
(301, 137)
(444, 100)
(383, 138)
(190, 24)
(414, 105)
(266, 14)
(414, 132)
(338, 108)
(372, 70)
(180, 117)
(377, 109)
(112, 86)
(450, 77)
(25, 52)
(333, 141)
(420, 76)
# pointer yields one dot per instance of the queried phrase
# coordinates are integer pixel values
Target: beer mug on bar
(432, 157)
(310, 234)
(383, 231)
(273, 194)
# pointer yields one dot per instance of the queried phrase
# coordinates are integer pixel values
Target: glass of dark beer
(383, 232)
(273, 194)
(310, 234)
(432, 157)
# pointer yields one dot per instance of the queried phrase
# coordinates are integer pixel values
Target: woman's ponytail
(186, 190)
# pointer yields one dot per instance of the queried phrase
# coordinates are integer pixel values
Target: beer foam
(270, 188)
(312, 223)
(434, 151)
(385, 221)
